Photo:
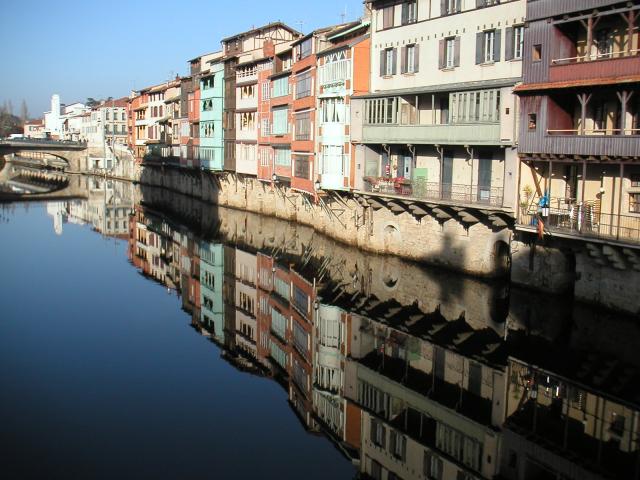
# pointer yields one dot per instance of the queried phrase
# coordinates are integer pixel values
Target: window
(303, 84)
(533, 121)
(301, 170)
(332, 110)
(634, 203)
(266, 90)
(303, 126)
(304, 49)
(489, 38)
(280, 87)
(518, 41)
(449, 53)
(409, 62)
(409, 12)
(450, 6)
(387, 16)
(280, 124)
(460, 446)
(536, 53)
(283, 159)
(300, 338)
(387, 62)
(604, 42)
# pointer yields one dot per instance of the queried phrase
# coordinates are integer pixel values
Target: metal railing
(570, 217)
(446, 192)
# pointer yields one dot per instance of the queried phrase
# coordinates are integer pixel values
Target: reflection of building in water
(571, 414)
(211, 279)
(58, 211)
(412, 374)
(106, 208)
(431, 391)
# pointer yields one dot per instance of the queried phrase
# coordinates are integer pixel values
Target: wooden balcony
(604, 66)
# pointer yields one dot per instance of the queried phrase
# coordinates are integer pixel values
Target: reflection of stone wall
(596, 273)
(449, 244)
(384, 276)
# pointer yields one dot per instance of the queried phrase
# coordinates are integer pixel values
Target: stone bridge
(73, 154)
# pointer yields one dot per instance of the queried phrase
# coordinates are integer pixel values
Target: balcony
(583, 219)
(434, 191)
(334, 72)
(599, 66)
(451, 134)
(247, 75)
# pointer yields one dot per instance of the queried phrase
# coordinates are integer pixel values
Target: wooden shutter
(383, 57)
(403, 60)
(479, 47)
(456, 52)
(405, 13)
(392, 442)
(443, 7)
(372, 431)
(458, 6)
(441, 53)
(416, 58)
(508, 46)
(384, 436)
(496, 45)
(394, 61)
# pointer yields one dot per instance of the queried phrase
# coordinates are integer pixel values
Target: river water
(144, 334)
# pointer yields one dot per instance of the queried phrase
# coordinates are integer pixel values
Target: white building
(52, 118)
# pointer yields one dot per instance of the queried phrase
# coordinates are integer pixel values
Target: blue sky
(93, 48)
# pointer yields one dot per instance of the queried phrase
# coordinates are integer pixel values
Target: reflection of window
(432, 466)
(378, 433)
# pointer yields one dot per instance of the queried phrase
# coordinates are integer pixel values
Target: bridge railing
(40, 141)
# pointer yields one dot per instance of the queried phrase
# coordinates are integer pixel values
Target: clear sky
(94, 48)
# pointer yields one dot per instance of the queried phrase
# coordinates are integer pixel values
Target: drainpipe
(440, 151)
(470, 153)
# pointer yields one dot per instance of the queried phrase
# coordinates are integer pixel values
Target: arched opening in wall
(391, 237)
(501, 258)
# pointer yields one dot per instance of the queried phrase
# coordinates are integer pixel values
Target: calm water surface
(147, 335)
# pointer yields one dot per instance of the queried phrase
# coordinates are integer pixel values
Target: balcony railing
(446, 192)
(335, 72)
(599, 56)
(596, 131)
(247, 75)
(584, 219)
